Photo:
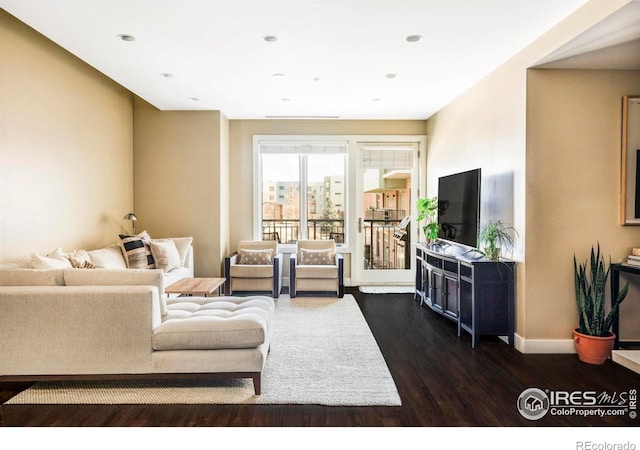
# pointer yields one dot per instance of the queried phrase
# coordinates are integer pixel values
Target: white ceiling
(335, 54)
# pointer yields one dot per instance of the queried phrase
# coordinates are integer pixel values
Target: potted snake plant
(593, 338)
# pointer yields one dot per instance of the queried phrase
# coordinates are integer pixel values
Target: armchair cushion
(316, 257)
(330, 272)
(251, 270)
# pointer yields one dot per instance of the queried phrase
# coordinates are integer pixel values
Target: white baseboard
(544, 345)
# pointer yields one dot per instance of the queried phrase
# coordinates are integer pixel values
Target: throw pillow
(165, 254)
(183, 244)
(310, 257)
(255, 257)
(137, 251)
(109, 257)
(54, 260)
(80, 259)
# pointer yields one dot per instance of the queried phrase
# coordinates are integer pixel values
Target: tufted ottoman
(225, 336)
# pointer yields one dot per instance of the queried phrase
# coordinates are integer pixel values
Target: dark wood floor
(442, 381)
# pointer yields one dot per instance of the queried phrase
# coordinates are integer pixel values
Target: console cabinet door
(437, 285)
(450, 303)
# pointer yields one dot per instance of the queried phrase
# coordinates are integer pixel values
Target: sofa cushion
(214, 323)
(109, 257)
(176, 274)
(316, 257)
(255, 256)
(165, 254)
(317, 272)
(137, 251)
(31, 277)
(251, 271)
(118, 277)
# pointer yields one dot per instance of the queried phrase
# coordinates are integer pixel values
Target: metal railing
(287, 231)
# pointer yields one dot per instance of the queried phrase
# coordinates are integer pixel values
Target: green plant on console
(590, 288)
(428, 211)
(494, 237)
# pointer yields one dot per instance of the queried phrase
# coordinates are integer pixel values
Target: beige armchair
(316, 267)
(255, 267)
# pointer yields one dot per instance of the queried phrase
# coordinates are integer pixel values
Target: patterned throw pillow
(255, 257)
(137, 251)
(316, 257)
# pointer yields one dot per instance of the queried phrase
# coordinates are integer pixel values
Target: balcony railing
(287, 231)
(381, 250)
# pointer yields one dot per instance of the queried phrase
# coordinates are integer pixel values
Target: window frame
(291, 140)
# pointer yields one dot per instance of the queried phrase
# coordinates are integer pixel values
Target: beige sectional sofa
(106, 323)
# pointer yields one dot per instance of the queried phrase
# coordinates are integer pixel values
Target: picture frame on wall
(630, 161)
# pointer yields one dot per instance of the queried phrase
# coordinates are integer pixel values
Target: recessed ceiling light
(316, 79)
(194, 99)
(285, 99)
(414, 38)
(270, 38)
(375, 99)
(391, 75)
(277, 75)
(126, 37)
(166, 75)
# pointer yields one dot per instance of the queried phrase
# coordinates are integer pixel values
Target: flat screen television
(459, 207)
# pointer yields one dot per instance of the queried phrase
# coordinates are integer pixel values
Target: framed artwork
(630, 159)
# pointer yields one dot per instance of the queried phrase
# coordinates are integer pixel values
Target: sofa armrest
(188, 263)
(61, 330)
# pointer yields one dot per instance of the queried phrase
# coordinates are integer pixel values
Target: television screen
(459, 207)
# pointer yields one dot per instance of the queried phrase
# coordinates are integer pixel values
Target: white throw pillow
(54, 260)
(109, 257)
(165, 253)
(183, 244)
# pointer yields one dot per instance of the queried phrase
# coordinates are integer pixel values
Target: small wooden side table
(196, 286)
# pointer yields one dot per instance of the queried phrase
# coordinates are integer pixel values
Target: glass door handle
(359, 224)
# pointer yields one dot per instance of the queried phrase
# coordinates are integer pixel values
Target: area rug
(387, 289)
(322, 352)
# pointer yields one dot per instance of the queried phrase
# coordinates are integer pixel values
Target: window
(310, 182)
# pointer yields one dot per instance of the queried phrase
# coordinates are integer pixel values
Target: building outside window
(311, 191)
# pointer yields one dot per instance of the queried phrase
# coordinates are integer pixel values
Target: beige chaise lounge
(106, 324)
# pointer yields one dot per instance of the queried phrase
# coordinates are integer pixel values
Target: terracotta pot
(593, 349)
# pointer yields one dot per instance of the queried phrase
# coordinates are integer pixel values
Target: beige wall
(66, 162)
(487, 127)
(573, 187)
(180, 183)
(241, 154)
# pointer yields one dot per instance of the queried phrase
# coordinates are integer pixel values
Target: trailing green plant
(428, 211)
(590, 285)
(494, 236)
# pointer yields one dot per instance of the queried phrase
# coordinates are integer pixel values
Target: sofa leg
(257, 383)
